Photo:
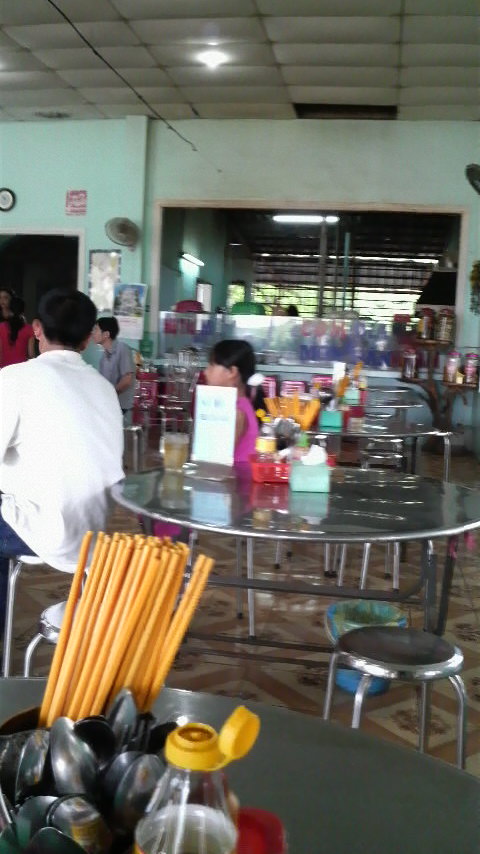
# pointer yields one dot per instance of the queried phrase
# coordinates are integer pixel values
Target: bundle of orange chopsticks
(124, 629)
(303, 412)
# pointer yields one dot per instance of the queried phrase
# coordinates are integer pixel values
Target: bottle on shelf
(191, 810)
(452, 366)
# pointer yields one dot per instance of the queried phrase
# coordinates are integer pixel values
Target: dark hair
(16, 319)
(109, 324)
(236, 353)
(67, 317)
(292, 311)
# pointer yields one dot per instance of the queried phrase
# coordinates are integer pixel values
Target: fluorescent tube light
(298, 218)
(191, 258)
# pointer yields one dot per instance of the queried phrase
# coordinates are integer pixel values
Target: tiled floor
(293, 619)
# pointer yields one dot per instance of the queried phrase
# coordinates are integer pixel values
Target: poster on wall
(103, 275)
(76, 203)
(129, 309)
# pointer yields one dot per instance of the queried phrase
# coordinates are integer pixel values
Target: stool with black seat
(404, 655)
(15, 566)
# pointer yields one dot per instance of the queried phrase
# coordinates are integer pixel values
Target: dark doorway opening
(31, 264)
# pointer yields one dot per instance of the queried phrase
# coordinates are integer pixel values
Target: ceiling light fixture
(185, 256)
(213, 58)
(308, 219)
(331, 219)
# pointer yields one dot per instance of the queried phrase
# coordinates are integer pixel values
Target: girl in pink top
(232, 364)
(16, 336)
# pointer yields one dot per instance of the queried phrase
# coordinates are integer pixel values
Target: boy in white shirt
(61, 441)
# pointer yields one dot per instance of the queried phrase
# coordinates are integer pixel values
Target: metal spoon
(8, 841)
(114, 772)
(5, 815)
(32, 763)
(31, 817)
(96, 731)
(49, 840)
(9, 762)
(73, 762)
(81, 821)
(135, 790)
(122, 714)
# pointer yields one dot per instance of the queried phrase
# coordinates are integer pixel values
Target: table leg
(238, 567)
(429, 573)
(413, 458)
(447, 450)
(250, 592)
(448, 570)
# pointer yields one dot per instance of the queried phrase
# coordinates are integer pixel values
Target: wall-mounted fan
(122, 231)
(472, 172)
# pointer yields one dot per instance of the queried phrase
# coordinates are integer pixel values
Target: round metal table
(361, 507)
(335, 789)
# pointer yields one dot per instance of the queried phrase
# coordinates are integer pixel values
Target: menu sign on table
(214, 425)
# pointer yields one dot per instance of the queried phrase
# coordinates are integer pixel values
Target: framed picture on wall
(103, 275)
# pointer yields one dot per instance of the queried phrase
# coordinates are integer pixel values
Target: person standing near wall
(116, 364)
(17, 343)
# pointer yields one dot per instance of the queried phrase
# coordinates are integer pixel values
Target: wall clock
(7, 199)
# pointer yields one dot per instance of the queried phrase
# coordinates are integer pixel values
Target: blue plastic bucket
(342, 617)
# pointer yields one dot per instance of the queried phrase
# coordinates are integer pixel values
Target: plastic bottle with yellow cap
(189, 811)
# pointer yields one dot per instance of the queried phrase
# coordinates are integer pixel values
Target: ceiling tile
(125, 57)
(376, 96)
(30, 80)
(202, 31)
(183, 8)
(441, 54)
(235, 94)
(337, 54)
(438, 76)
(439, 112)
(440, 95)
(438, 29)
(379, 30)
(245, 111)
(329, 7)
(74, 111)
(238, 54)
(348, 76)
(6, 41)
(227, 75)
(19, 60)
(104, 95)
(161, 94)
(167, 111)
(112, 33)
(54, 98)
(441, 7)
(106, 77)
(19, 11)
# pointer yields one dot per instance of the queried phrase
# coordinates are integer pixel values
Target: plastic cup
(175, 450)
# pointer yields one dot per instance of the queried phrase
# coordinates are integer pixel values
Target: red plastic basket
(269, 472)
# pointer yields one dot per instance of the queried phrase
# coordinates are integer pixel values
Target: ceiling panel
(183, 8)
(330, 76)
(227, 75)
(128, 57)
(19, 60)
(238, 54)
(344, 30)
(244, 111)
(30, 80)
(167, 111)
(439, 29)
(338, 54)
(75, 111)
(438, 76)
(343, 95)
(439, 112)
(17, 11)
(55, 98)
(202, 31)
(226, 94)
(441, 54)
(441, 7)
(315, 8)
(105, 77)
(105, 34)
(439, 95)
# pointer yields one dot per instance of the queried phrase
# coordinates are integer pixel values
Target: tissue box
(309, 478)
(352, 395)
(333, 419)
(311, 507)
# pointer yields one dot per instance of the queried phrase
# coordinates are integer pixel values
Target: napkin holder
(331, 419)
(315, 478)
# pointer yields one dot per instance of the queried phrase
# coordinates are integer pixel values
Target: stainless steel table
(362, 507)
(378, 428)
(335, 789)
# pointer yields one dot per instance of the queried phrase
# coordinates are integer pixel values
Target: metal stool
(136, 432)
(14, 568)
(407, 655)
(48, 629)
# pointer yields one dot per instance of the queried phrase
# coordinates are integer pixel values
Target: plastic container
(471, 368)
(426, 324)
(269, 470)
(190, 811)
(409, 365)
(342, 617)
(452, 366)
(445, 326)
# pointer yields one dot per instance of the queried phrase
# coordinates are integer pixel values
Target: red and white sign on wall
(76, 203)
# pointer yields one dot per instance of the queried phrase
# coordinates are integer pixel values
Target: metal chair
(49, 630)
(15, 566)
(406, 655)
